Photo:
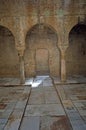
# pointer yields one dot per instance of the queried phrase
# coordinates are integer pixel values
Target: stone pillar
(20, 46)
(63, 67)
(22, 71)
(20, 50)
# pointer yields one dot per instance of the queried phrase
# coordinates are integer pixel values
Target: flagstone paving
(43, 105)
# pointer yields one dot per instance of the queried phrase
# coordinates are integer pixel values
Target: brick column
(20, 48)
(22, 71)
(63, 67)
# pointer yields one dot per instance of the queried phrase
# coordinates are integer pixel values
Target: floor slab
(43, 106)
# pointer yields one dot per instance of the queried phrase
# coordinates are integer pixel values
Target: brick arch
(72, 28)
(8, 54)
(69, 23)
(76, 53)
(76, 26)
(32, 46)
(47, 25)
(4, 26)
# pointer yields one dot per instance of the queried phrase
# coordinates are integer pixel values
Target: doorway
(42, 62)
(42, 55)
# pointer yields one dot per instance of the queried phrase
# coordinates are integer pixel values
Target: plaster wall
(20, 16)
(76, 53)
(9, 62)
(42, 39)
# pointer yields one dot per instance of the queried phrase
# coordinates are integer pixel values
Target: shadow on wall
(9, 62)
(76, 53)
(41, 54)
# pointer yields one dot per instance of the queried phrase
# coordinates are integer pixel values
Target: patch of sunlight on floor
(29, 81)
(36, 81)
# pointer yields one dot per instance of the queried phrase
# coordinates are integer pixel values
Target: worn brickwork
(76, 53)
(41, 37)
(9, 62)
(59, 16)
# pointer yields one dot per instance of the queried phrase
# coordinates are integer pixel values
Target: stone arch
(42, 37)
(8, 54)
(7, 24)
(35, 24)
(69, 23)
(76, 52)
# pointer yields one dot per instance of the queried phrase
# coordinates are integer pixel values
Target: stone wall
(20, 16)
(76, 53)
(9, 62)
(42, 37)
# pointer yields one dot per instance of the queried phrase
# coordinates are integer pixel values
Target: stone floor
(41, 104)
(29, 81)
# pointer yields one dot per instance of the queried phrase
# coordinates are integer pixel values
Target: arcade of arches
(42, 55)
(42, 64)
(38, 41)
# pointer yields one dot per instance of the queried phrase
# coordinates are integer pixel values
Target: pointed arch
(42, 37)
(8, 54)
(76, 52)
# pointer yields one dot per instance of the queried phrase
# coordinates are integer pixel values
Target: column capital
(20, 41)
(21, 52)
(63, 49)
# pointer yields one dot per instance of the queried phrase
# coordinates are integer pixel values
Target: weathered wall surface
(76, 53)
(42, 38)
(20, 16)
(9, 63)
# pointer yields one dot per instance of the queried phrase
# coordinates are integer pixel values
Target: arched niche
(76, 53)
(42, 51)
(8, 54)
